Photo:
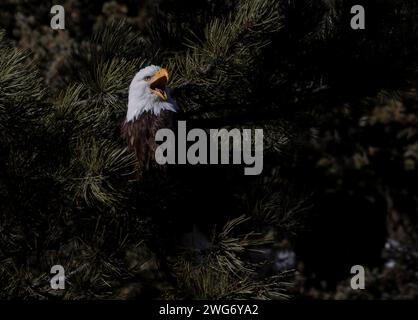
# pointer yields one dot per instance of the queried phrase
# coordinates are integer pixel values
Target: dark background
(339, 110)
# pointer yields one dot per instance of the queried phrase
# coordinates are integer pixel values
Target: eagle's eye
(147, 78)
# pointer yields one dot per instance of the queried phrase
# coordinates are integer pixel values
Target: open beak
(158, 84)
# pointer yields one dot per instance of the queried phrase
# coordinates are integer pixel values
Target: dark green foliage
(334, 126)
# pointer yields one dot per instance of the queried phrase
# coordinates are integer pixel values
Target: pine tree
(69, 193)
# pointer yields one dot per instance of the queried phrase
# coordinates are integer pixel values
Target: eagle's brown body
(140, 136)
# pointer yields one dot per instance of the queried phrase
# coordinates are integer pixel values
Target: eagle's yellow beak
(158, 83)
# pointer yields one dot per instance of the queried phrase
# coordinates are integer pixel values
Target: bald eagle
(183, 202)
(150, 108)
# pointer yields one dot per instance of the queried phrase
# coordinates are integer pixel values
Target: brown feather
(140, 136)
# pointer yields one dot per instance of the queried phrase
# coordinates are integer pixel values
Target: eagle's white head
(148, 92)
